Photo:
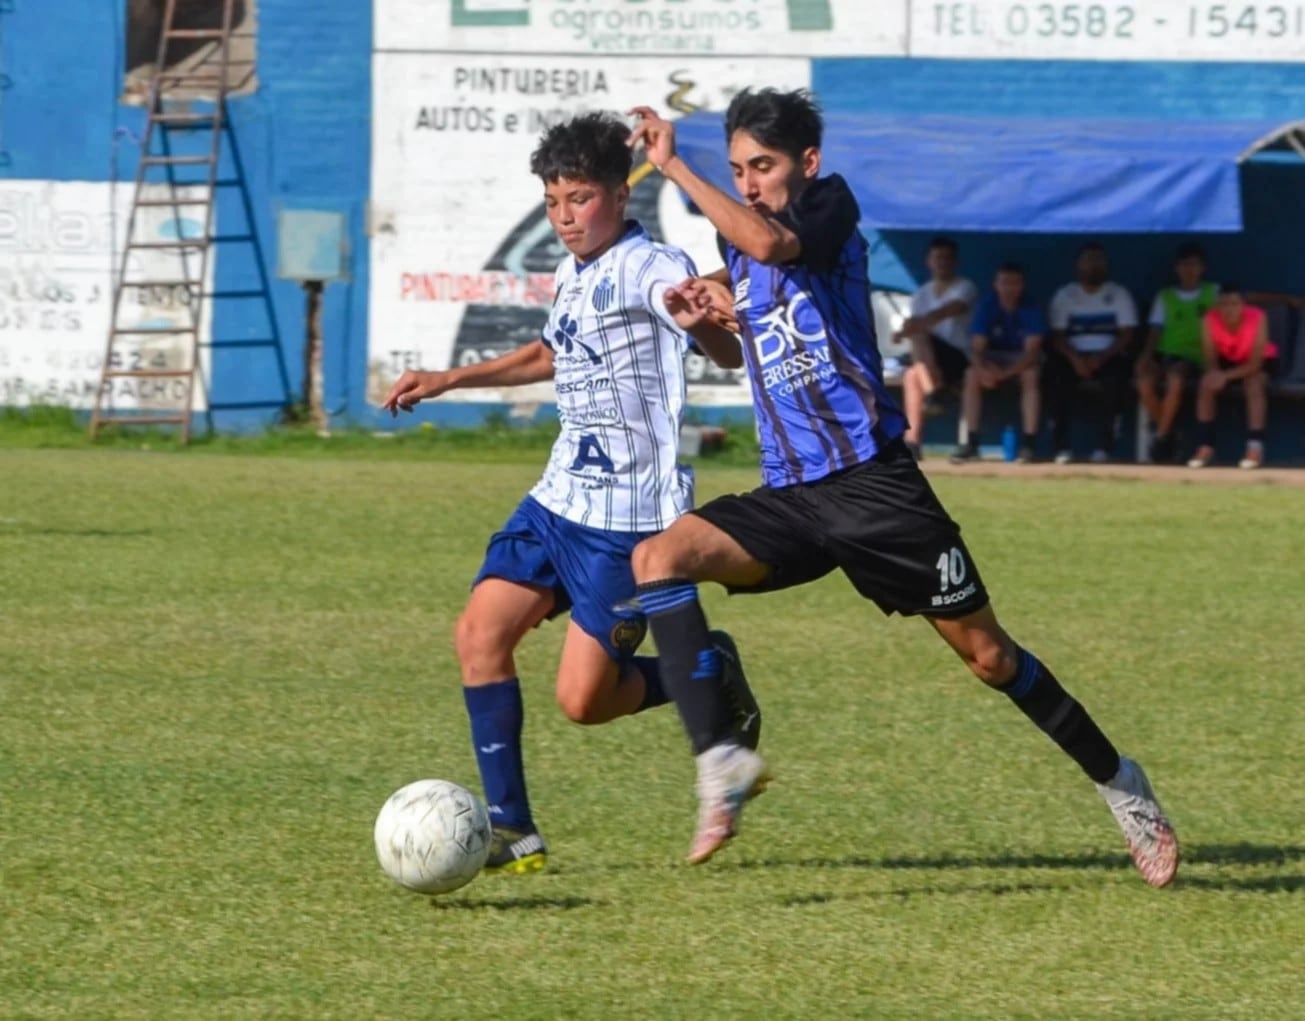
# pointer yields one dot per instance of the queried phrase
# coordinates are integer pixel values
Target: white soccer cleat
(728, 777)
(1151, 840)
(1064, 456)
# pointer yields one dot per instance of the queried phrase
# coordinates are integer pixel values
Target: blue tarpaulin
(1026, 175)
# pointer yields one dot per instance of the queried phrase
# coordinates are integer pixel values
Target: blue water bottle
(1010, 443)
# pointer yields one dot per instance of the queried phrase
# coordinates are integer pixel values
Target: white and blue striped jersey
(618, 369)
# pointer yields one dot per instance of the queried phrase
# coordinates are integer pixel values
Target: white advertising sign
(681, 28)
(58, 261)
(462, 255)
(1108, 30)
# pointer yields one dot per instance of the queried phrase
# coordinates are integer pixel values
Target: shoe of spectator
(964, 453)
(1202, 457)
(1100, 457)
(1026, 455)
(1162, 449)
(1254, 456)
(1064, 456)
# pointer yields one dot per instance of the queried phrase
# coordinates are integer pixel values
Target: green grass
(213, 670)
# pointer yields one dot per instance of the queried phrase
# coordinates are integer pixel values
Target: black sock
(690, 667)
(1205, 434)
(653, 692)
(1030, 440)
(1255, 436)
(1041, 698)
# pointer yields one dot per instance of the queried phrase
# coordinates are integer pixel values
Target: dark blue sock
(496, 718)
(1039, 696)
(653, 692)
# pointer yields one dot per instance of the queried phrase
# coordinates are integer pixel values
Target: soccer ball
(432, 836)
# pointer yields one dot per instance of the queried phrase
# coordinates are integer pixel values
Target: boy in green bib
(1173, 353)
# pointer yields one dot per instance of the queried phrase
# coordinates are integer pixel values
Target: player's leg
(996, 660)
(1114, 377)
(1257, 414)
(913, 383)
(1060, 384)
(1207, 396)
(1147, 380)
(923, 355)
(499, 613)
(753, 542)
(900, 548)
(972, 415)
(1030, 410)
(1176, 376)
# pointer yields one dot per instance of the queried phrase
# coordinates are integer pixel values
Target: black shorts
(952, 362)
(880, 523)
(1189, 368)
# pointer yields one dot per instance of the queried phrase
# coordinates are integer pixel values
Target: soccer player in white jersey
(614, 345)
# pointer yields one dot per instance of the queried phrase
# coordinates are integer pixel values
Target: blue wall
(305, 142)
(304, 139)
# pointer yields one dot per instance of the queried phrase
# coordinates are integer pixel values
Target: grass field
(214, 669)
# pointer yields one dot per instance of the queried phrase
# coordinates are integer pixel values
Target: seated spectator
(1005, 344)
(1174, 351)
(1092, 323)
(1237, 347)
(937, 331)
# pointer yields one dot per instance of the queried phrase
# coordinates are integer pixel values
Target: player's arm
(953, 308)
(756, 236)
(532, 363)
(1255, 362)
(1026, 361)
(1124, 331)
(694, 305)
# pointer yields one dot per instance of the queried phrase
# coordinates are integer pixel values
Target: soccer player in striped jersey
(614, 346)
(840, 488)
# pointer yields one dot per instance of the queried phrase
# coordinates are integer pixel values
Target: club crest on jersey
(603, 294)
(628, 634)
(566, 341)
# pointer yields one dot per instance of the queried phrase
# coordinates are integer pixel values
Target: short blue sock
(496, 718)
(653, 692)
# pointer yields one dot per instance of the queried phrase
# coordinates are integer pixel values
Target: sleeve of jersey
(654, 277)
(823, 218)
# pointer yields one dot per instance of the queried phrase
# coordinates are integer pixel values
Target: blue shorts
(588, 570)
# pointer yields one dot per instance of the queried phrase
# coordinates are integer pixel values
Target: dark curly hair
(591, 147)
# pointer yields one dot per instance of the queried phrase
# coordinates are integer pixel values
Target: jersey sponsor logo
(566, 341)
(792, 347)
(592, 455)
(603, 294)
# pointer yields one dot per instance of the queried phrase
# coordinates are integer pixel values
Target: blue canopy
(1027, 175)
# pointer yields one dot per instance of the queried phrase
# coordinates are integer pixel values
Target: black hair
(1011, 267)
(944, 242)
(591, 147)
(1189, 250)
(1090, 246)
(1226, 287)
(787, 121)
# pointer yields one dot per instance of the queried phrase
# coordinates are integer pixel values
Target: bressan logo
(803, 15)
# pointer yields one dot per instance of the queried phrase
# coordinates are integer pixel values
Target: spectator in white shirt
(1092, 325)
(938, 330)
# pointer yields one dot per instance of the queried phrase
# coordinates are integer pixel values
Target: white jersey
(954, 330)
(618, 369)
(1089, 319)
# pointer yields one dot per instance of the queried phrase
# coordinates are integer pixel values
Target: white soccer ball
(432, 836)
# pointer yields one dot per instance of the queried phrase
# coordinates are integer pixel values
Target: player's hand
(1084, 366)
(989, 377)
(718, 299)
(413, 387)
(1216, 380)
(657, 135)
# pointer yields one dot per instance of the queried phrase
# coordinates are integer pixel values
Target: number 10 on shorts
(951, 569)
